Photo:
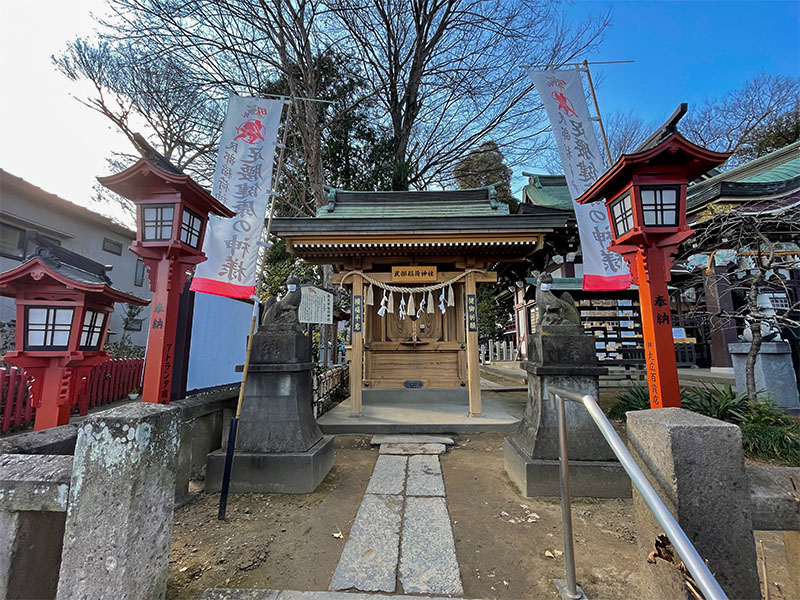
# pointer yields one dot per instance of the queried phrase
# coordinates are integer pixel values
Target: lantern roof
(66, 268)
(152, 173)
(674, 152)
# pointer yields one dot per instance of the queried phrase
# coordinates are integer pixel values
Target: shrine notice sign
(316, 306)
(564, 99)
(242, 182)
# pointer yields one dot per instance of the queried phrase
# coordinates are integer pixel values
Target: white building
(23, 206)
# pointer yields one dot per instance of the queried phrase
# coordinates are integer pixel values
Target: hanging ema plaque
(316, 306)
(415, 273)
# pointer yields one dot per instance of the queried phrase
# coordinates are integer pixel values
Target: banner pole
(597, 111)
(234, 428)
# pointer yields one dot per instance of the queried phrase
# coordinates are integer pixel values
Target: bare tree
(448, 73)
(625, 132)
(727, 124)
(764, 243)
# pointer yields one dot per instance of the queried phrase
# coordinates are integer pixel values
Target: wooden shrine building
(412, 261)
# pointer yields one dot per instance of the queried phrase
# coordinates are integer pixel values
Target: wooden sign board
(472, 313)
(414, 274)
(316, 306)
(357, 317)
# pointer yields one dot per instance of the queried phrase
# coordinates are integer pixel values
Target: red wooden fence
(109, 381)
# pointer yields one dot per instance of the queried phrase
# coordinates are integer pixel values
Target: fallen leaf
(524, 505)
(534, 516)
(548, 554)
(505, 582)
(503, 513)
(559, 553)
(338, 534)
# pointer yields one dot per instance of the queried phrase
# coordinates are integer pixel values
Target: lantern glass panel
(660, 207)
(157, 222)
(94, 322)
(191, 228)
(622, 215)
(48, 328)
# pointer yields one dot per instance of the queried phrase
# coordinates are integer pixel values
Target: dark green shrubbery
(767, 434)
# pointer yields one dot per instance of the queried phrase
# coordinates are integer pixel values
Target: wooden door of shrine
(394, 357)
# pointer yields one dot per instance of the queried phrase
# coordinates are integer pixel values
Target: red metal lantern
(63, 304)
(172, 214)
(645, 196)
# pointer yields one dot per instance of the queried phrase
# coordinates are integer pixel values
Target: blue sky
(689, 51)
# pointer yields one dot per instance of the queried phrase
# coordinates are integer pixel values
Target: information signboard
(316, 306)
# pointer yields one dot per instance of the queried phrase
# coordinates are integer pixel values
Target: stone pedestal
(121, 500)
(563, 356)
(696, 464)
(279, 446)
(774, 372)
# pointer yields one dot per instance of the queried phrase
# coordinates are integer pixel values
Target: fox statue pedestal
(561, 354)
(279, 447)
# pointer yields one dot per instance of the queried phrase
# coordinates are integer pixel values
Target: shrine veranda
(417, 258)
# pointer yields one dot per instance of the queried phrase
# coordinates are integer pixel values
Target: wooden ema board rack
(615, 324)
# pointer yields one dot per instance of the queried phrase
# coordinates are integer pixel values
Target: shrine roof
(343, 204)
(534, 219)
(549, 191)
(773, 175)
(66, 267)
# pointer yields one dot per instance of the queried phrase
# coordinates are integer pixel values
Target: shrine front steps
(250, 594)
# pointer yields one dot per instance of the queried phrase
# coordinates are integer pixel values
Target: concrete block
(412, 449)
(428, 563)
(121, 500)
(774, 372)
(57, 440)
(275, 473)
(377, 440)
(424, 476)
(537, 477)
(30, 554)
(369, 559)
(389, 476)
(34, 482)
(772, 501)
(696, 464)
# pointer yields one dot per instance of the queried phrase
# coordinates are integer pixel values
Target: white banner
(565, 102)
(242, 182)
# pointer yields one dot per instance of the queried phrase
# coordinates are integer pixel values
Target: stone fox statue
(552, 310)
(285, 310)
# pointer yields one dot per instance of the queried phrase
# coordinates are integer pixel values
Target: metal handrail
(694, 563)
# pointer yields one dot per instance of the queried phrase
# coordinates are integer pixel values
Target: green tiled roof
(549, 191)
(395, 205)
(780, 165)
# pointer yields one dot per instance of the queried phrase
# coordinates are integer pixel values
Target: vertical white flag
(242, 182)
(565, 102)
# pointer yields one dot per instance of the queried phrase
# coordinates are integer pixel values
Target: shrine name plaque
(414, 274)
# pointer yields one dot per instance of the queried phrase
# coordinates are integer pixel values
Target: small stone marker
(428, 562)
(389, 475)
(369, 559)
(424, 476)
(377, 440)
(412, 449)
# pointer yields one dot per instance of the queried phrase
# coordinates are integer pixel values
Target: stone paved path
(401, 539)
(242, 594)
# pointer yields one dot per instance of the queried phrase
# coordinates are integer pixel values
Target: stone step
(389, 475)
(424, 476)
(369, 558)
(428, 563)
(377, 440)
(413, 449)
(250, 594)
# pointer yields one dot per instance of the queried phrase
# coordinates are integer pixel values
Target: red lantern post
(172, 214)
(645, 196)
(63, 304)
